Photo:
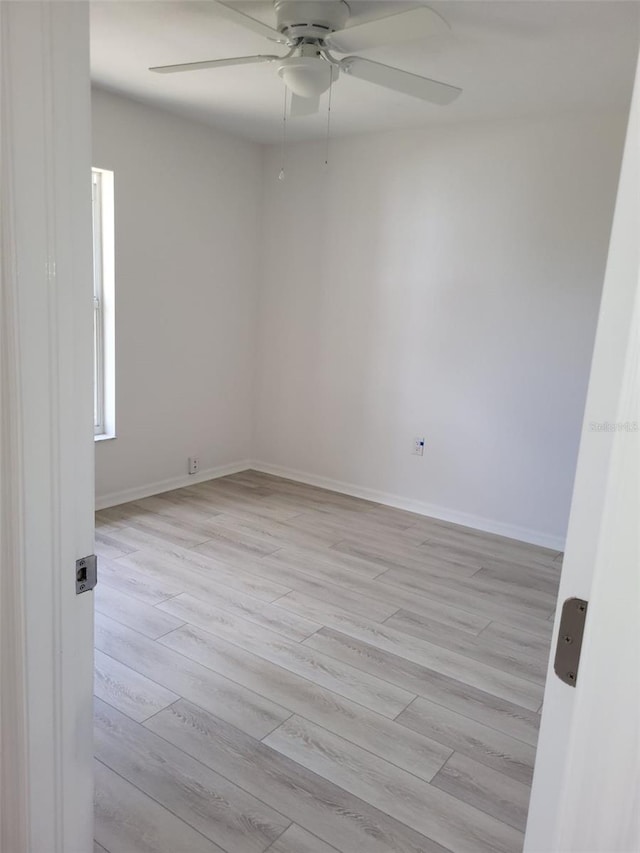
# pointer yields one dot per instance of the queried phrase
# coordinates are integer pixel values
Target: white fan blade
(304, 106)
(400, 81)
(403, 26)
(211, 63)
(238, 17)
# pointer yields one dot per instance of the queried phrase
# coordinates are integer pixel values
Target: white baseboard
(139, 492)
(488, 525)
(522, 534)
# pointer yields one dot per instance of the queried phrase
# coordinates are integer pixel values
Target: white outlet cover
(418, 446)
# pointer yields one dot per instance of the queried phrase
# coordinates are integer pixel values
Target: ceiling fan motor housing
(310, 19)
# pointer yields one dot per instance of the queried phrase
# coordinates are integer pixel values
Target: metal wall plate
(86, 573)
(567, 660)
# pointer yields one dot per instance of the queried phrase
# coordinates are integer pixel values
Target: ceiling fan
(313, 28)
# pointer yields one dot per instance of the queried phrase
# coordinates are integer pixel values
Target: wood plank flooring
(286, 669)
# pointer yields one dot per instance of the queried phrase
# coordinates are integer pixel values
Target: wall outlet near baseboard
(418, 446)
(194, 464)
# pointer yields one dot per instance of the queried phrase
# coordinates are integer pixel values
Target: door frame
(46, 428)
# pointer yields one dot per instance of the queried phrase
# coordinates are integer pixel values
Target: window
(103, 305)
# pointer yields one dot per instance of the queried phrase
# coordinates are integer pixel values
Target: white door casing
(585, 796)
(13, 735)
(46, 435)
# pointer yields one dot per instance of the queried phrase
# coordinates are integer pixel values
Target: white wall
(187, 203)
(445, 283)
(438, 282)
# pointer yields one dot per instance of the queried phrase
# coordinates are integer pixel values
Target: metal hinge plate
(86, 573)
(567, 660)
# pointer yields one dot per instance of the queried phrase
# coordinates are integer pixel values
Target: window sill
(103, 437)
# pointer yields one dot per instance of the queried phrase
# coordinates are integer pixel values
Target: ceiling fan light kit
(313, 28)
(307, 73)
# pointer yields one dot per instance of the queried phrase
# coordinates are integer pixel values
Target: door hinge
(86, 573)
(567, 660)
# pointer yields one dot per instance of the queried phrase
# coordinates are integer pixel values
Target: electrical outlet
(194, 464)
(418, 447)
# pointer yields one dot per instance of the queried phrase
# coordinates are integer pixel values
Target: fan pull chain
(284, 135)
(326, 153)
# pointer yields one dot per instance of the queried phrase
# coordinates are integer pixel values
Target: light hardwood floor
(283, 668)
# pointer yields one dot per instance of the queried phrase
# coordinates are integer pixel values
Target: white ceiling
(511, 57)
